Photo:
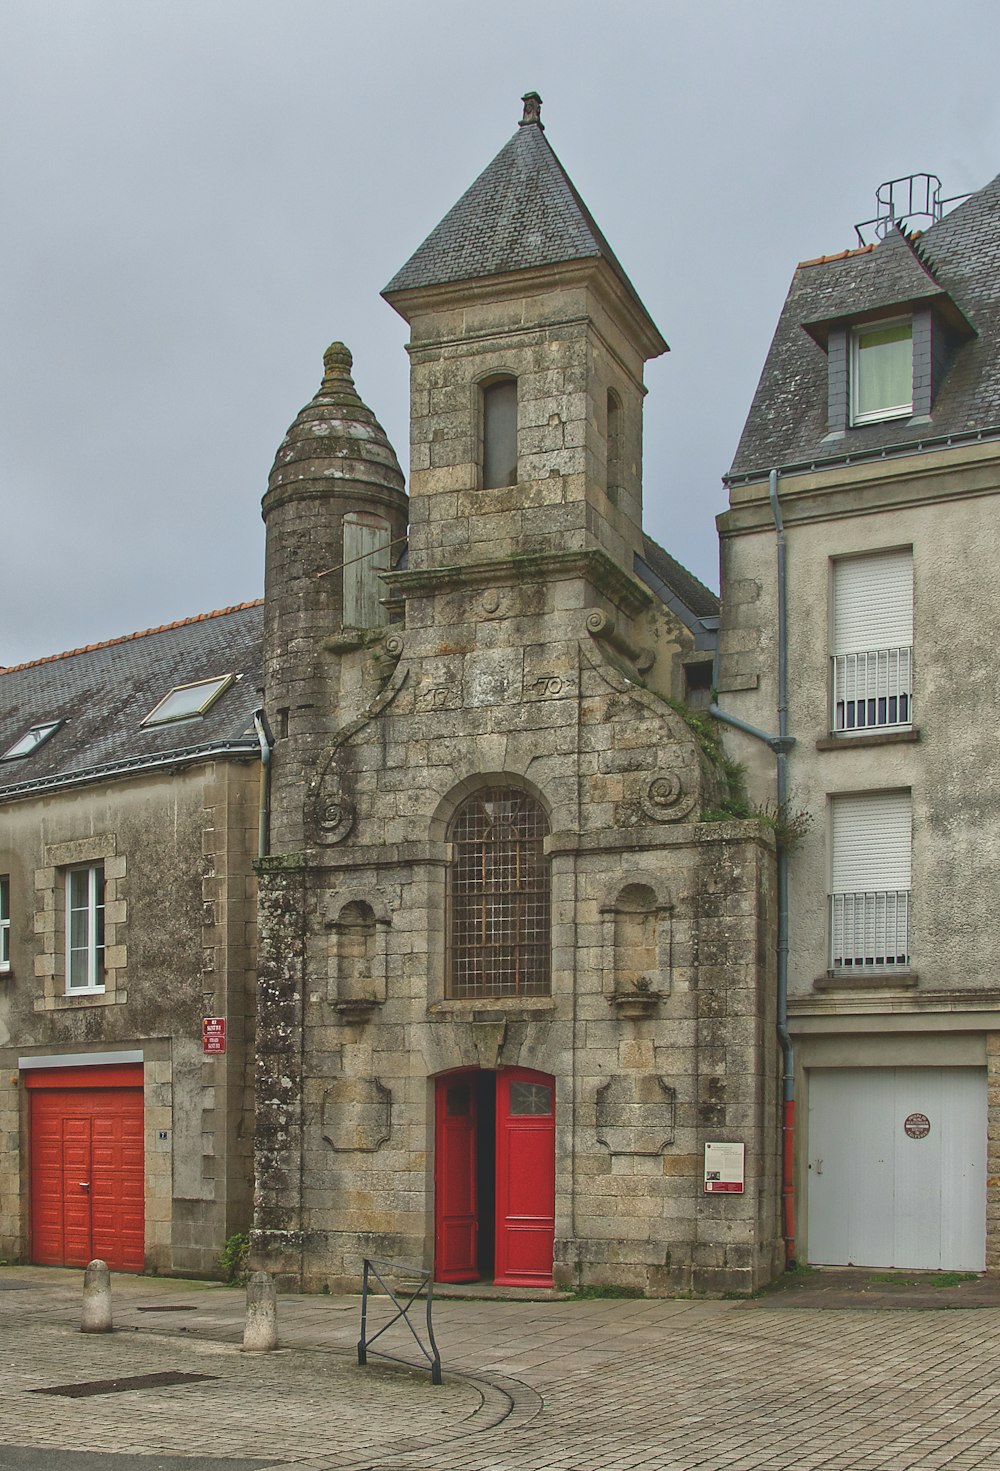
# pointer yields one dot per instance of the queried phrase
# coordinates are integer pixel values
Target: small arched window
(499, 410)
(614, 444)
(499, 897)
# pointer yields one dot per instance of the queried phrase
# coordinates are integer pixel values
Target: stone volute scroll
(329, 807)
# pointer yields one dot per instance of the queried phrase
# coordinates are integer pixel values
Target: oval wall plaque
(917, 1125)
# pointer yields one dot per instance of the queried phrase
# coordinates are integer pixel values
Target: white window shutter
(872, 843)
(873, 602)
(366, 553)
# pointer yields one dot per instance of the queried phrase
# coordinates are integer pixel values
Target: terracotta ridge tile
(822, 260)
(125, 638)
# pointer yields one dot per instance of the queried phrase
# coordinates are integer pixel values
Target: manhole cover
(122, 1386)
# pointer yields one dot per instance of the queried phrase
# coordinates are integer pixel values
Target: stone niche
(638, 945)
(357, 956)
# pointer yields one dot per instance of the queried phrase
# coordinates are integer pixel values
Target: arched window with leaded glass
(499, 897)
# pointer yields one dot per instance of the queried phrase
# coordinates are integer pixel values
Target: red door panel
(87, 1176)
(525, 1214)
(455, 1215)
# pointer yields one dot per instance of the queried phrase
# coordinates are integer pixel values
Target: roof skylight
(31, 740)
(187, 700)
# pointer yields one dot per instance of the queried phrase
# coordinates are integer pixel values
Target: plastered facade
(942, 505)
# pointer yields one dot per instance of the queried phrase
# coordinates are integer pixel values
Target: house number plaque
(917, 1125)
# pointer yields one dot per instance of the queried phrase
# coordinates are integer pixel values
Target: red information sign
(213, 1035)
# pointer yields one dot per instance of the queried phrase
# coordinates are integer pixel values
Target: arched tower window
(614, 444)
(499, 897)
(499, 410)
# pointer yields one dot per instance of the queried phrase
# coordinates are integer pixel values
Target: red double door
(494, 1177)
(87, 1175)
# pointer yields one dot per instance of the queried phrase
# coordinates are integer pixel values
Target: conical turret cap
(336, 437)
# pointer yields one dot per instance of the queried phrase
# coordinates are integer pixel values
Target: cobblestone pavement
(604, 1385)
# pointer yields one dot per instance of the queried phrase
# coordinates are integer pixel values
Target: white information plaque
(724, 1169)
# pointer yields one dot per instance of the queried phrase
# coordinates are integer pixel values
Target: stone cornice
(594, 567)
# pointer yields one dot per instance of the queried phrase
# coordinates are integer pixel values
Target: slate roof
(660, 571)
(104, 692)
(957, 260)
(521, 213)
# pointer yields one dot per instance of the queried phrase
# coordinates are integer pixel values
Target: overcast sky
(199, 195)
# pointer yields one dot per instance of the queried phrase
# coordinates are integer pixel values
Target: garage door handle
(84, 1184)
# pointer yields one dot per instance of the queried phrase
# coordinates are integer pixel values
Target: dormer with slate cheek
(889, 330)
(525, 332)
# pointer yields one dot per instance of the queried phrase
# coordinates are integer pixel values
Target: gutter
(187, 755)
(863, 456)
(266, 740)
(780, 744)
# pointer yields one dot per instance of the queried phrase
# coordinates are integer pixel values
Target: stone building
(129, 821)
(511, 984)
(874, 442)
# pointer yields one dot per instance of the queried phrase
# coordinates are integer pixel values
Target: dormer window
(881, 371)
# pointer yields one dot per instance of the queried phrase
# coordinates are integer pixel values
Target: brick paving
(604, 1385)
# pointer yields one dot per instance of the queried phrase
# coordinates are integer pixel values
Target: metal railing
(411, 1282)
(874, 690)
(870, 931)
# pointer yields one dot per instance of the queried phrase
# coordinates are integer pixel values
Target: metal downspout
(780, 744)
(784, 1037)
(266, 741)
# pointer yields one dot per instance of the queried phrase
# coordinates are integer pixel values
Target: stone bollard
(96, 1315)
(260, 1333)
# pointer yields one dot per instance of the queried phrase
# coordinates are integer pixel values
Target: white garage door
(897, 1167)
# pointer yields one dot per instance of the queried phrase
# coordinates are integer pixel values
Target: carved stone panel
(635, 1115)
(357, 1115)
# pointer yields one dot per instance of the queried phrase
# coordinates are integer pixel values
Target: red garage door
(87, 1167)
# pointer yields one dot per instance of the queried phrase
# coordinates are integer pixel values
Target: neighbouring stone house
(874, 441)
(511, 983)
(129, 820)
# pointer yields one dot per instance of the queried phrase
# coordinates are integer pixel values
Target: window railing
(870, 931)
(874, 690)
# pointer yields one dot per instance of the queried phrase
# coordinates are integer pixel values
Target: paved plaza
(591, 1385)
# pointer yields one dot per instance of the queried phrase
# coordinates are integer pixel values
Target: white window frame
(887, 411)
(871, 664)
(871, 882)
(4, 923)
(93, 946)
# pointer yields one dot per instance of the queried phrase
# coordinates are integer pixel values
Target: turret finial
(532, 110)
(337, 363)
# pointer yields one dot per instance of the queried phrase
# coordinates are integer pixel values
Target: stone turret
(335, 512)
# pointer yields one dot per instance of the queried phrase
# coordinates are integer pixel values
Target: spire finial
(532, 110)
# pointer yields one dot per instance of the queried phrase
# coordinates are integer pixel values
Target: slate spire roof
(521, 213)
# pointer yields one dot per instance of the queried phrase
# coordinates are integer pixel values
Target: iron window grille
(870, 931)
(499, 897)
(873, 690)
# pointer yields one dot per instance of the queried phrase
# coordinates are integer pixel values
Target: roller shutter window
(870, 886)
(873, 642)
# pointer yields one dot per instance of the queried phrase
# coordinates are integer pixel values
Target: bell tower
(527, 348)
